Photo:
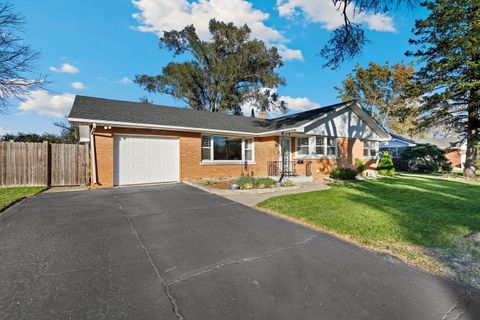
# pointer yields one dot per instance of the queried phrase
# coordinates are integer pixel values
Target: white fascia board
(172, 128)
(303, 126)
(406, 142)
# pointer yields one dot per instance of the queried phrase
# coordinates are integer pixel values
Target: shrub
(359, 165)
(243, 180)
(288, 183)
(426, 158)
(264, 182)
(385, 165)
(247, 186)
(447, 167)
(343, 174)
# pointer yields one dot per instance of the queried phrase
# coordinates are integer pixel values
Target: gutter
(92, 150)
(174, 128)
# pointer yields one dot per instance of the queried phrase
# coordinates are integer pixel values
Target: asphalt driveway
(176, 252)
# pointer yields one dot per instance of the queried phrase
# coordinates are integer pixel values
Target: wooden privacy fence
(43, 164)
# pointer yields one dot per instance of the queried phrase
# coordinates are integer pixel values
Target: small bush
(288, 183)
(447, 167)
(385, 165)
(426, 158)
(243, 180)
(359, 165)
(247, 186)
(343, 174)
(265, 182)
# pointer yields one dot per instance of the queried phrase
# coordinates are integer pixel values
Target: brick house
(133, 143)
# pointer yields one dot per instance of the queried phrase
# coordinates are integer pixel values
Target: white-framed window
(370, 149)
(317, 146)
(227, 149)
(206, 148)
(302, 146)
(248, 149)
(320, 146)
(331, 146)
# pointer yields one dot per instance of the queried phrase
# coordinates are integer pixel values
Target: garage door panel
(145, 159)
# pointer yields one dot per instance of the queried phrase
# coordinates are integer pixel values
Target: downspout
(94, 161)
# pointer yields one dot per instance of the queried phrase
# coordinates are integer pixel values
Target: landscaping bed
(10, 195)
(244, 183)
(419, 219)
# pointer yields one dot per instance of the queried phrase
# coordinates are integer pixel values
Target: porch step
(296, 179)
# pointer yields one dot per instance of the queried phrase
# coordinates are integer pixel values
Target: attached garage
(145, 159)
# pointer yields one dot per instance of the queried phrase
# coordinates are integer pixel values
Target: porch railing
(291, 168)
(275, 168)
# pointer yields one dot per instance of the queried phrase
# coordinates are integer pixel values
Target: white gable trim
(382, 135)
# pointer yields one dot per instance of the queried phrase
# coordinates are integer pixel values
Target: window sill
(316, 158)
(226, 162)
(370, 158)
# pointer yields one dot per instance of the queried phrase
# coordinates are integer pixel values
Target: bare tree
(17, 68)
(347, 40)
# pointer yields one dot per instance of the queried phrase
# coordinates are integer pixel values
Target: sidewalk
(251, 200)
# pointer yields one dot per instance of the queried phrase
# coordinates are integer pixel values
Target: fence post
(49, 162)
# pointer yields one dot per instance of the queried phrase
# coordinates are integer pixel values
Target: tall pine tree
(448, 43)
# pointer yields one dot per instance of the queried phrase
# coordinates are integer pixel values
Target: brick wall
(455, 157)
(191, 168)
(347, 150)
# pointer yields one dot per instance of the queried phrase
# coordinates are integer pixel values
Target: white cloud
(78, 85)
(299, 104)
(43, 103)
(294, 105)
(325, 13)
(289, 54)
(125, 80)
(65, 68)
(164, 15)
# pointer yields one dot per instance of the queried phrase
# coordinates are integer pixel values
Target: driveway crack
(166, 286)
(244, 260)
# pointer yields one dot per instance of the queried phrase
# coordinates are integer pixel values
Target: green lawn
(407, 210)
(9, 195)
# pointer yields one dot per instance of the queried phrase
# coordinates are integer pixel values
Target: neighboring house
(134, 142)
(454, 153)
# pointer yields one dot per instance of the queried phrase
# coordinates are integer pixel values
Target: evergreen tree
(448, 42)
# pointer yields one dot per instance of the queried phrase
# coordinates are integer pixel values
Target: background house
(453, 152)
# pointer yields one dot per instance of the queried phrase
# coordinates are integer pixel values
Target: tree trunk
(470, 171)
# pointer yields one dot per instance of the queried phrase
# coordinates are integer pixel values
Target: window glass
(331, 146)
(369, 148)
(320, 146)
(206, 148)
(302, 147)
(227, 148)
(248, 149)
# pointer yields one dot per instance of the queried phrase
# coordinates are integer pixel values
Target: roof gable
(350, 121)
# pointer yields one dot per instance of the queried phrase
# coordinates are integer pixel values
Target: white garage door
(145, 159)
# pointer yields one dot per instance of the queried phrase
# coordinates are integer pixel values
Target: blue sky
(95, 48)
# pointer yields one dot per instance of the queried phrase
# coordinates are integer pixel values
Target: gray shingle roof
(444, 143)
(99, 109)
